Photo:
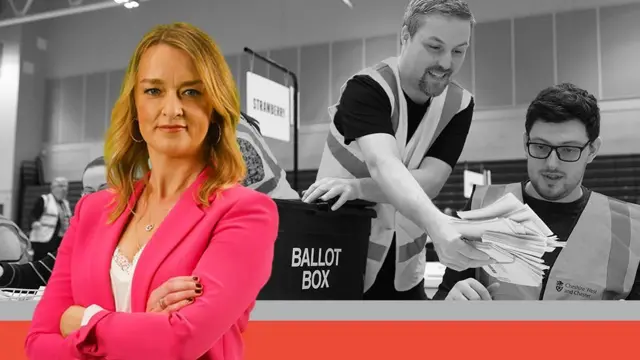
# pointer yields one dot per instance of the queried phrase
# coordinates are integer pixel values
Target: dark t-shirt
(561, 218)
(365, 109)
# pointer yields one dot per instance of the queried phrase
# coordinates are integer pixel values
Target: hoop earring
(131, 134)
(219, 133)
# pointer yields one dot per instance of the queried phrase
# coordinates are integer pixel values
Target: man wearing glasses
(93, 177)
(602, 234)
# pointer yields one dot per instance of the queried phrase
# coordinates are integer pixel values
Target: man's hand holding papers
(511, 234)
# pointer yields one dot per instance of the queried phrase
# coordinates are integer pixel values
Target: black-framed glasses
(89, 190)
(565, 153)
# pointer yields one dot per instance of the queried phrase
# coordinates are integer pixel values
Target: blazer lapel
(104, 249)
(171, 232)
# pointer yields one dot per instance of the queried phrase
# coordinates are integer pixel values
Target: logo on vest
(574, 290)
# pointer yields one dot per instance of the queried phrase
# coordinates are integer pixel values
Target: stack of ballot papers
(513, 235)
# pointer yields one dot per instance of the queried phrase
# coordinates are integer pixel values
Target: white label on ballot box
(315, 258)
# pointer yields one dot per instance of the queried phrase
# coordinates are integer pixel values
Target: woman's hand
(71, 320)
(174, 294)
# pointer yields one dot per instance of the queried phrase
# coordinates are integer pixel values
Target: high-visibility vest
(18, 236)
(263, 173)
(49, 219)
(599, 260)
(346, 161)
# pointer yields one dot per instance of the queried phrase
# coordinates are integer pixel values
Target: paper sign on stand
(270, 103)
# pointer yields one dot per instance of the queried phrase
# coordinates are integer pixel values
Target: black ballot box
(320, 254)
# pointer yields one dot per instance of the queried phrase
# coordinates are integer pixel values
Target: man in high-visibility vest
(602, 251)
(50, 219)
(395, 135)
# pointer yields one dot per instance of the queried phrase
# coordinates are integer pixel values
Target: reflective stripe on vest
(346, 161)
(599, 261)
(357, 167)
(48, 221)
(276, 184)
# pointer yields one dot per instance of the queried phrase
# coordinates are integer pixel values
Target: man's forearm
(369, 190)
(401, 190)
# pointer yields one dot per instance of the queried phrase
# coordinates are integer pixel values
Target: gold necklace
(147, 228)
(151, 225)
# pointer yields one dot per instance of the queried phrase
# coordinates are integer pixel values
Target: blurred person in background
(14, 245)
(396, 134)
(33, 275)
(602, 234)
(263, 172)
(94, 176)
(50, 219)
(188, 216)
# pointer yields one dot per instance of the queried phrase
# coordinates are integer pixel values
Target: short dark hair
(99, 161)
(564, 102)
(417, 8)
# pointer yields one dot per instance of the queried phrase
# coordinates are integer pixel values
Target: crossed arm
(234, 268)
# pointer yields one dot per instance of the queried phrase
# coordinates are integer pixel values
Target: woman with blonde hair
(187, 215)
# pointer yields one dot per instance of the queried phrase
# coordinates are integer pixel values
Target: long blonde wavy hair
(127, 159)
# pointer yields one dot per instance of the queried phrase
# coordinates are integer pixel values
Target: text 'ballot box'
(320, 254)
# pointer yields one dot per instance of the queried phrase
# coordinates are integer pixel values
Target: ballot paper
(513, 235)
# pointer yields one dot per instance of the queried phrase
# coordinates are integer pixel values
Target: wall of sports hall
(59, 77)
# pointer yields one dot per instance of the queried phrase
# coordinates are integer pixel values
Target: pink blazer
(228, 245)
